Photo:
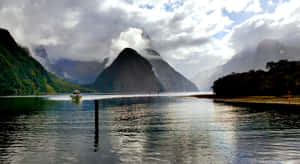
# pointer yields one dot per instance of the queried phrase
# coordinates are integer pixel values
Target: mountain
(83, 72)
(129, 73)
(172, 80)
(7, 41)
(41, 56)
(205, 78)
(249, 59)
(80, 72)
(21, 74)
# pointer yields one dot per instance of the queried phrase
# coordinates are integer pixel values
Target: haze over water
(145, 130)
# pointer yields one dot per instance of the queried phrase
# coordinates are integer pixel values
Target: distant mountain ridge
(80, 72)
(249, 59)
(20, 74)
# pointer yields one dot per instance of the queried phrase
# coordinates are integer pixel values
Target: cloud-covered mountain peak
(269, 46)
(256, 58)
(152, 52)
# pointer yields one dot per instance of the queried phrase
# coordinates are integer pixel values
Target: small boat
(76, 95)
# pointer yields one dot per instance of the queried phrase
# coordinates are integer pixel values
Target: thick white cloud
(132, 38)
(282, 25)
(182, 31)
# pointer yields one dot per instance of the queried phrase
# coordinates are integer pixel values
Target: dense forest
(282, 77)
(20, 74)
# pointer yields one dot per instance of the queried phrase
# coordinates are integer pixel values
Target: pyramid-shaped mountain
(129, 73)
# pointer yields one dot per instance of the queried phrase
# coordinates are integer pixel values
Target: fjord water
(145, 130)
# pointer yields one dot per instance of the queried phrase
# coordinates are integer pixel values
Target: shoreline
(255, 100)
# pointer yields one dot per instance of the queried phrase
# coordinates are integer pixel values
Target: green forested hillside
(281, 78)
(20, 74)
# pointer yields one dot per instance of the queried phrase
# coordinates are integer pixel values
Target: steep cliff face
(20, 74)
(172, 80)
(7, 41)
(129, 73)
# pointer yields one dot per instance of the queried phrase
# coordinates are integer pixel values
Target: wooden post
(96, 137)
(289, 93)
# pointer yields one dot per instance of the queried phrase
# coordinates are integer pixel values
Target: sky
(191, 35)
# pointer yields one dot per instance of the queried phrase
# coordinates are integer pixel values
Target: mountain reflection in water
(151, 130)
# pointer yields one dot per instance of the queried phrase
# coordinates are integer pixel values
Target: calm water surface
(149, 130)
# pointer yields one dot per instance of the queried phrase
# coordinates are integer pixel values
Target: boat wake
(89, 97)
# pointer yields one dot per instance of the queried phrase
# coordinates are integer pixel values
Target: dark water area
(149, 130)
